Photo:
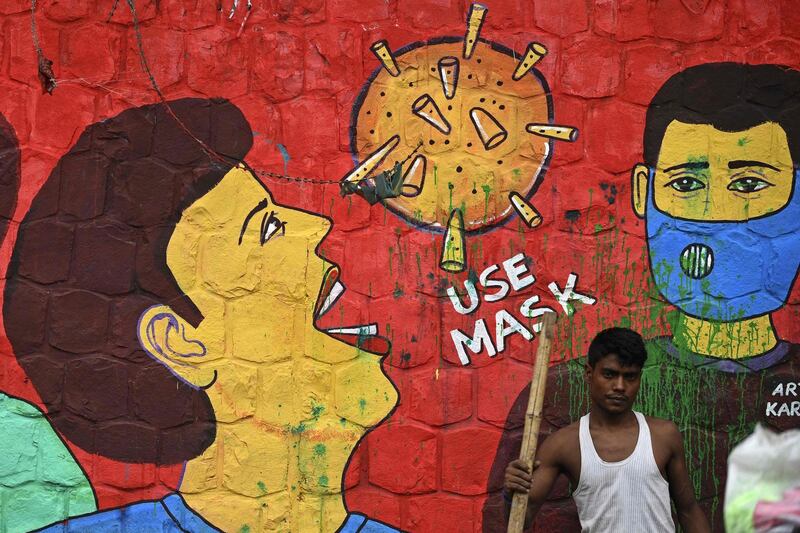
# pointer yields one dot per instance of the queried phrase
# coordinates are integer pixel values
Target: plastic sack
(779, 517)
(760, 469)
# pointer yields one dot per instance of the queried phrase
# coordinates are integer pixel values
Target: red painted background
(295, 70)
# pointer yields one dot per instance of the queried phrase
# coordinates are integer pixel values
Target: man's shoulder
(564, 437)
(663, 429)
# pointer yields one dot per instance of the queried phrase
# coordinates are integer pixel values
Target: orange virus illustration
(454, 134)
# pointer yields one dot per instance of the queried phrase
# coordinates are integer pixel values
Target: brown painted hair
(9, 174)
(728, 96)
(91, 256)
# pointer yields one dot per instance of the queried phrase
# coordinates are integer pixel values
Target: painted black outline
(502, 132)
(160, 501)
(651, 191)
(259, 206)
(415, 190)
(382, 357)
(178, 212)
(362, 95)
(477, 31)
(710, 254)
(364, 523)
(456, 72)
(573, 135)
(416, 108)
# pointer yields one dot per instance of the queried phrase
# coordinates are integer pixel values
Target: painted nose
(697, 261)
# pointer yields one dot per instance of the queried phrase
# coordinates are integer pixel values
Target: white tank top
(628, 496)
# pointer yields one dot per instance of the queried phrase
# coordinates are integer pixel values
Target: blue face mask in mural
(725, 271)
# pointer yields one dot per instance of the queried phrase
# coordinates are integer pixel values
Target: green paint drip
(298, 429)
(487, 189)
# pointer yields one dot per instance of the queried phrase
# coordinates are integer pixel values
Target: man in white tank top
(624, 466)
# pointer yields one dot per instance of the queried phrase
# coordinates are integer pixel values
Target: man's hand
(518, 476)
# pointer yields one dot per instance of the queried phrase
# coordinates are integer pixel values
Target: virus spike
(525, 210)
(381, 50)
(448, 73)
(477, 12)
(490, 131)
(371, 163)
(561, 133)
(454, 252)
(425, 108)
(414, 178)
(533, 54)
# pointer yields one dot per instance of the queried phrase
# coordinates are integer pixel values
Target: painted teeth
(367, 330)
(697, 261)
(336, 291)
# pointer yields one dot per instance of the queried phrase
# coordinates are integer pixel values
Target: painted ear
(171, 341)
(640, 176)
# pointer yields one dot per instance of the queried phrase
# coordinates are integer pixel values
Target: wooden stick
(533, 418)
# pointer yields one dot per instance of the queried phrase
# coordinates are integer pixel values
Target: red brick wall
(294, 68)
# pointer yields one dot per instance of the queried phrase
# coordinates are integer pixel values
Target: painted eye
(748, 184)
(271, 227)
(686, 184)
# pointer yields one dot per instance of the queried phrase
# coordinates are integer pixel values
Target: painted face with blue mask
(712, 259)
(725, 271)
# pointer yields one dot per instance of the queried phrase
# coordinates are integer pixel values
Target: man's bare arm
(546, 471)
(690, 515)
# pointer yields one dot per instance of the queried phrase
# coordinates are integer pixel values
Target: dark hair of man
(90, 257)
(9, 174)
(730, 97)
(625, 343)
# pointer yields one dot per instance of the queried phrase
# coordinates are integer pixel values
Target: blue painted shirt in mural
(171, 514)
(359, 523)
(167, 515)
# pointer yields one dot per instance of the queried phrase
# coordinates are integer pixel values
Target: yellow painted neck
(251, 480)
(726, 340)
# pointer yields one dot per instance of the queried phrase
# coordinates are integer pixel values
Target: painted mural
(716, 190)
(281, 266)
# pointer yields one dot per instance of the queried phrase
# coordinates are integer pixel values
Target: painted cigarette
(414, 178)
(448, 72)
(371, 163)
(454, 251)
(477, 13)
(562, 133)
(490, 131)
(381, 50)
(525, 210)
(425, 108)
(533, 54)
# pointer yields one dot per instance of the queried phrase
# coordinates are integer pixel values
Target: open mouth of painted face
(362, 336)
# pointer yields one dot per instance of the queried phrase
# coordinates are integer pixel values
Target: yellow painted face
(711, 175)
(284, 389)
